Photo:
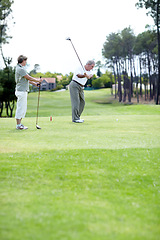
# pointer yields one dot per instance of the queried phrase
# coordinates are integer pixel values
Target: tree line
(123, 51)
(133, 59)
(153, 8)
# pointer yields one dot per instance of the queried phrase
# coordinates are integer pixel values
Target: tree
(43, 75)
(35, 70)
(89, 81)
(7, 82)
(70, 76)
(5, 11)
(153, 7)
(145, 48)
(106, 79)
(122, 51)
(98, 65)
(98, 72)
(97, 83)
(7, 91)
(128, 42)
(119, 49)
(112, 50)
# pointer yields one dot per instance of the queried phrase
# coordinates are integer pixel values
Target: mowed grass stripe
(111, 132)
(75, 194)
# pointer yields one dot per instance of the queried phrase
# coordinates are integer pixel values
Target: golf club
(38, 127)
(76, 53)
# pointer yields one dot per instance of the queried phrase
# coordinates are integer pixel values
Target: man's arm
(84, 75)
(33, 83)
(31, 79)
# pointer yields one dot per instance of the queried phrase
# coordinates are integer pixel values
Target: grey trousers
(77, 100)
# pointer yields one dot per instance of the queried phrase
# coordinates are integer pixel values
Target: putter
(38, 127)
(76, 53)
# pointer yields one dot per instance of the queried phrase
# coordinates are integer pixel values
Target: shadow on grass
(112, 100)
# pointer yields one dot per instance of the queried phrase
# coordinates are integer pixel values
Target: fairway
(99, 180)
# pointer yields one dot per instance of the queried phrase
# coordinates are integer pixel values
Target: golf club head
(38, 127)
(68, 39)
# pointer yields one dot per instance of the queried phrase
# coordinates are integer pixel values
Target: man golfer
(22, 88)
(76, 87)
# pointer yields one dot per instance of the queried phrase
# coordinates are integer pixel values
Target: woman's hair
(21, 58)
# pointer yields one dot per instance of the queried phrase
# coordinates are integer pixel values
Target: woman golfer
(22, 88)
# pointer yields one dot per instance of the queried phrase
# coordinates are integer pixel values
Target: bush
(106, 80)
(64, 83)
(58, 87)
(97, 83)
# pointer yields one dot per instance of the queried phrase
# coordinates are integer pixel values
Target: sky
(41, 28)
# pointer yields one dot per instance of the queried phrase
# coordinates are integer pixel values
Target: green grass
(92, 181)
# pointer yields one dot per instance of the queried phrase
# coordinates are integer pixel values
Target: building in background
(48, 84)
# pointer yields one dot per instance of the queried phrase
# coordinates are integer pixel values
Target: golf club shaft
(38, 104)
(78, 56)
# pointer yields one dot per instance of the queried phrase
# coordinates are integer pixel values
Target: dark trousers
(77, 100)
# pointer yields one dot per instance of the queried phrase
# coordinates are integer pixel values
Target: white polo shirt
(80, 71)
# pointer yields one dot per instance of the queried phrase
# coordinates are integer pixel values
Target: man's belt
(78, 83)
